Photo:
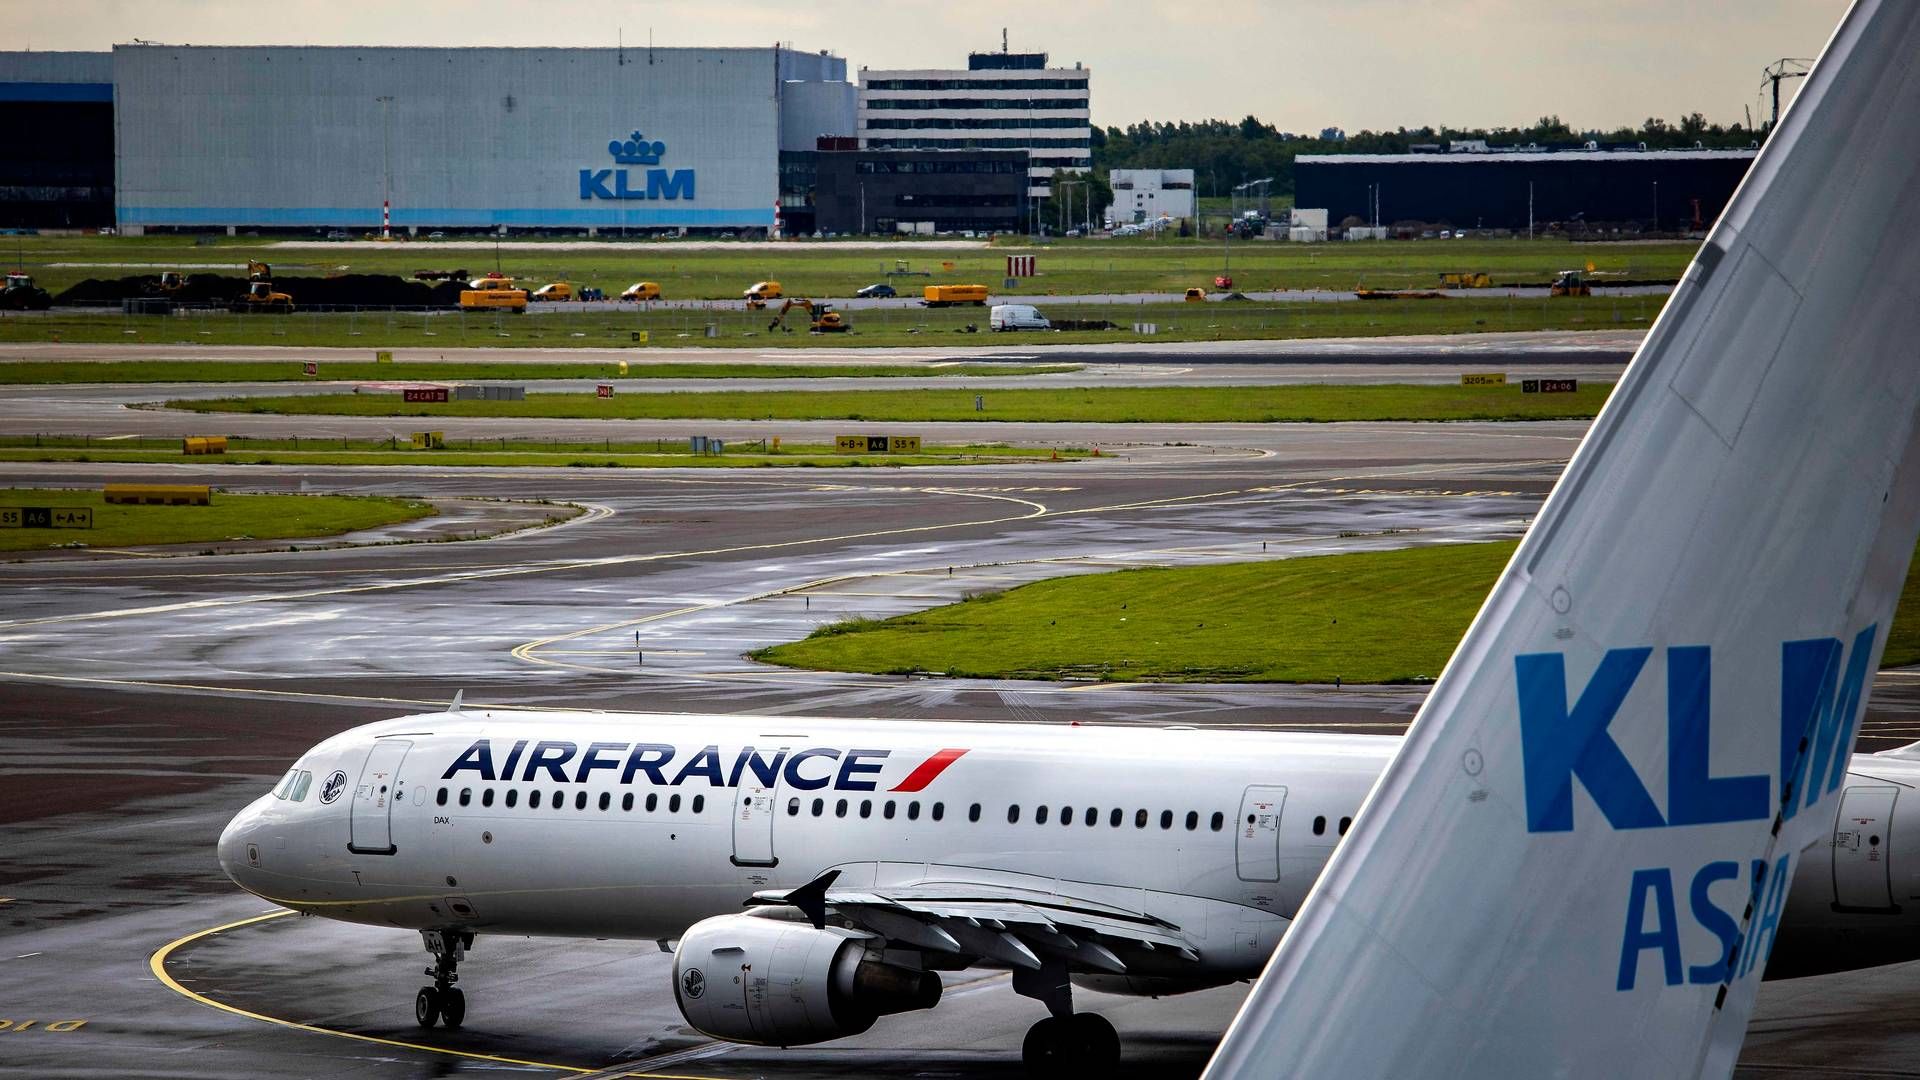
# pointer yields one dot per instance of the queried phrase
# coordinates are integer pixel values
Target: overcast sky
(1301, 65)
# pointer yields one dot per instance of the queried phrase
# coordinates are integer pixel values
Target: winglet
(811, 898)
(457, 695)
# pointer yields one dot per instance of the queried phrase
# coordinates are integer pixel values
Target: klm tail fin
(1577, 864)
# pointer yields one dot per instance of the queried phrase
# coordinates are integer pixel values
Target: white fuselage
(639, 825)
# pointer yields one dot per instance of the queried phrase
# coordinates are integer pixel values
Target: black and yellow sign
(46, 517)
(382, 356)
(877, 444)
(429, 440)
(1550, 386)
(1484, 378)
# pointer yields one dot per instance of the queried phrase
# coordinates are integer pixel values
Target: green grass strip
(1177, 404)
(43, 373)
(1372, 617)
(229, 517)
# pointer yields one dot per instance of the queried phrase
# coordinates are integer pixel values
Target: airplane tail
(1577, 863)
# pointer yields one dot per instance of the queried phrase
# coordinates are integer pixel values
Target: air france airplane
(819, 874)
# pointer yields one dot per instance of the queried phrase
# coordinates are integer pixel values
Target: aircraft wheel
(1096, 1044)
(1045, 1051)
(453, 1010)
(426, 1007)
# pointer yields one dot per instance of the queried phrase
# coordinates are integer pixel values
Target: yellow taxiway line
(158, 965)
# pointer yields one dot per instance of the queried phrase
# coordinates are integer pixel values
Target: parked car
(337, 234)
(436, 235)
(879, 290)
(1017, 317)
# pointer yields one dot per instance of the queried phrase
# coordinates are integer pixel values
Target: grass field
(599, 326)
(653, 454)
(38, 372)
(1376, 617)
(1176, 404)
(1067, 267)
(230, 517)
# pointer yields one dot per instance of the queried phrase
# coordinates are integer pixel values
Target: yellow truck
(761, 292)
(493, 293)
(955, 295)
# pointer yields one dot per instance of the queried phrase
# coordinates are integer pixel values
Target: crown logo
(636, 150)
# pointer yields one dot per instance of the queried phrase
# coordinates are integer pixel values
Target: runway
(143, 700)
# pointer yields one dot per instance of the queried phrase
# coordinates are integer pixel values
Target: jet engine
(754, 979)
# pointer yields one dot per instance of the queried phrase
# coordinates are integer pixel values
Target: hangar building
(305, 138)
(1664, 188)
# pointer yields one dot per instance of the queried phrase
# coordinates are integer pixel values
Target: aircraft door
(1862, 841)
(1257, 847)
(377, 790)
(754, 806)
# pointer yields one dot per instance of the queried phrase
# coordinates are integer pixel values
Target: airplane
(818, 874)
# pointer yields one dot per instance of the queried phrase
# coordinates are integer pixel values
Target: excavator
(821, 318)
(260, 295)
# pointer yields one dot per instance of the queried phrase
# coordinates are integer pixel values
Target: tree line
(1223, 153)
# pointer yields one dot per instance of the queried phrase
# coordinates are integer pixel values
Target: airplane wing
(996, 922)
(1577, 863)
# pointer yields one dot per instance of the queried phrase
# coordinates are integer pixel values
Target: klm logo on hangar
(636, 150)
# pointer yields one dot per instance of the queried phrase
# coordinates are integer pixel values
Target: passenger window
(793, 807)
(1344, 822)
(300, 787)
(559, 800)
(579, 800)
(626, 802)
(913, 810)
(513, 796)
(673, 803)
(653, 801)
(939, 810)
(866, 808)
(1093, 816)
(1219, 820)
(441, 798)
(1040, 815)
(1140, 819)
(1193, 821)
(886, 810)
(973, 812)
(1066, 815)
(699, 803)
(840, 808)
(1115, 818)
(533, 799)
(819, 807)
(1166, 819)
(1320, 825)
(1013, 814)
(466, 796)
(606, 801)
(486, 797)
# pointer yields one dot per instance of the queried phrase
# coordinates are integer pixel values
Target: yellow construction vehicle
(256, 271)
(261, 297)
(1570, 283)
(821, 318)
(760, 293)
(1473, 280)
(494, 292)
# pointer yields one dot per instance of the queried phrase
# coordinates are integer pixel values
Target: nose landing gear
(443, 1002)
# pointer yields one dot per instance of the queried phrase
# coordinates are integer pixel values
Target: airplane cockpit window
(286, 783)
(300, 786)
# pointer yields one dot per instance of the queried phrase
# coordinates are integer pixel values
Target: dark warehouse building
(1671, 189)
(56, 120)
(852, 191)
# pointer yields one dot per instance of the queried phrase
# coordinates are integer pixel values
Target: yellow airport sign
(429, 440)
(1484, 378)
(877, 444)
(46, 517)
(383, 356)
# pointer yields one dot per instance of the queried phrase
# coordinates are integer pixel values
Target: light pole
(386, 159)
(1656, 206)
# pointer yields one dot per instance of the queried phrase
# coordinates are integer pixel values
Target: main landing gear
(443, 1002)
(1064, 1043)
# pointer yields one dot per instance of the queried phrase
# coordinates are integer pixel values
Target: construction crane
(1787, 67)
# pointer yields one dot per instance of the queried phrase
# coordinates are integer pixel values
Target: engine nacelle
(753, 979)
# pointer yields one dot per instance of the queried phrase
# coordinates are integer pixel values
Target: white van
(1017, 317)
